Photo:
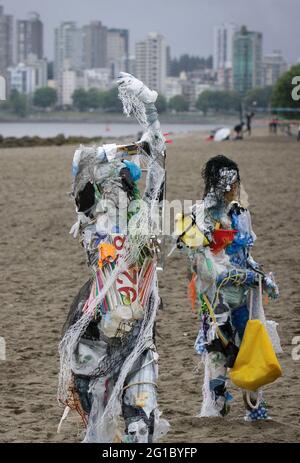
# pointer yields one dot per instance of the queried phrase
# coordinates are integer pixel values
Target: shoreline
(110, 118)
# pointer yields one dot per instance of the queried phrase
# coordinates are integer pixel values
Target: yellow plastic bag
(188, 231)
(256, 364)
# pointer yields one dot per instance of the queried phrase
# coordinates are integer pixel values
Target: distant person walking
(298, 137)
(239, 131)
(249, 117)
(273, 126)
(287, 129)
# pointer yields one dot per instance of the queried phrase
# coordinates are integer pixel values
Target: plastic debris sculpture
(225, 282)
(108, 359)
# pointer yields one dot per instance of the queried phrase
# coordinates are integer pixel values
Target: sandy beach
(42, 268)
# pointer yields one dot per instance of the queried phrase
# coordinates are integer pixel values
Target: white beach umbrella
(222, 134)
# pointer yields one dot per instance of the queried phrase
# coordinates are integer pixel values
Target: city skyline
(196, 35)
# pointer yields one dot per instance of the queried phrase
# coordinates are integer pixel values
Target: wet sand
(42, 268)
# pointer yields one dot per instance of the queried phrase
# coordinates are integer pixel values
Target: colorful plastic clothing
(108, 355)
(223, 274)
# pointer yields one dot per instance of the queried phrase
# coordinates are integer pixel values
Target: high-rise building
(247, 60)
(97, 78)
(117, 51)
(78, 49)
(151, 61)
(29, 76)
(68, 86)
(168, 52)
(173, 87)
(132, 65)
(274, 66)
(94, 45)
(225, 78)
(29, 38)
(6, 41)
(68, 47)
(223, 46)
(68, 53)
(192, 85)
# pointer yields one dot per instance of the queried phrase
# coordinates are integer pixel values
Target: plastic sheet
(227, 276)
(124, 297)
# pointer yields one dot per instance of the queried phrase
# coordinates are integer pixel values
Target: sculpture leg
(139, 400)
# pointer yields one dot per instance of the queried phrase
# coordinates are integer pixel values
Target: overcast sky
(186, 24)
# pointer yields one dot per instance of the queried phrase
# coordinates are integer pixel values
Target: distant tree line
(230, 101)
(278, 97)
(85, 100)
(218, 101)
(21, 104)
(108, 101)
(189, 63)
(17, 103)
(282, 94)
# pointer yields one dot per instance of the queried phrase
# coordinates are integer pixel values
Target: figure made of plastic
(108, 355)
(218, 239)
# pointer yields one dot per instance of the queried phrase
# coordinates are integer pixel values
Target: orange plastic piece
(107, 253)
(192, 291)
(221, 239)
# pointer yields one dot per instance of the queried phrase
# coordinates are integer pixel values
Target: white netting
(104, 430)
(257, 312)
(134, 95)
(271, 326)
(134, 243)
(132, 105)
(102, 425)
(208, 407)
(72, 336)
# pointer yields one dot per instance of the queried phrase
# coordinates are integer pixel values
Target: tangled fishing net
(96, 173)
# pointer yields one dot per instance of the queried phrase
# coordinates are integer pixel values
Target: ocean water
(51, 129)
